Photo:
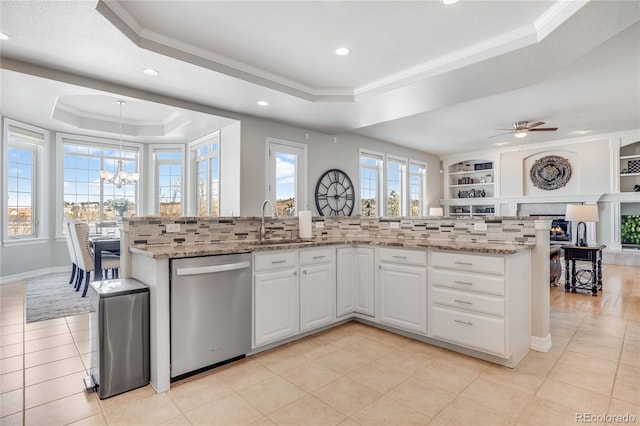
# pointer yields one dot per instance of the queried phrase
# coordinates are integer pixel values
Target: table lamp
(582, 213)
(436, 211)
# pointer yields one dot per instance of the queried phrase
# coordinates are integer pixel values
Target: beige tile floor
(352, 374)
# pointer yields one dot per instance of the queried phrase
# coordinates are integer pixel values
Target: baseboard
(32, 274)
(540, 344)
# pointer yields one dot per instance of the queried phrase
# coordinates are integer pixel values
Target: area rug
(51, 296)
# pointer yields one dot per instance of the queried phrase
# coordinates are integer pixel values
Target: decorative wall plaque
(551, 172)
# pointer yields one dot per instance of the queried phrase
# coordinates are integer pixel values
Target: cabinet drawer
(412, 257)
(316, 256)
(273, 261)
(468, 301)
(468, 281)
(468, 329)
(469, 262)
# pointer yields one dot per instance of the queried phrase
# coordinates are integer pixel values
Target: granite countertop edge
(176, 251)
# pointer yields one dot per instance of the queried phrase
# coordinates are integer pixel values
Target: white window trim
(423, 209)
(191, 194)
(302, 192)
(403, 184)
(153, 148)
(101, 143)
(40, 198)
(382, 205)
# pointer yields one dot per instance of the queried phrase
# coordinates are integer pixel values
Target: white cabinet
(481, 302)
(317, 288)
(355, 287)
(276, 299)
(403, 289)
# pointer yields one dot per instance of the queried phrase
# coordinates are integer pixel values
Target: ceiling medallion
(551, 172)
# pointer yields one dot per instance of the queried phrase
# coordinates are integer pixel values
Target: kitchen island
(501, 306)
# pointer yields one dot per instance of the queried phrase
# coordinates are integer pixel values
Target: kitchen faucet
(263, 231)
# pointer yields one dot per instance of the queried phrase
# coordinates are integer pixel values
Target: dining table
(99, 244)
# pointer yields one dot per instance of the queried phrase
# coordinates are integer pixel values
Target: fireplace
(560, 230)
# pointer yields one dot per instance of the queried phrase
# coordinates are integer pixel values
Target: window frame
(155, 195)
(423, 183)
(380, 169)
(302, 172)
(40, 150)
(403, 183)
(102, 143)
(193, 147)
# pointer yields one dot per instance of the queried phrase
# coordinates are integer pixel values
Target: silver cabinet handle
(463, 301)
(304, 272)
(379, 266)
(399, 257)
(295, 273)
(319, 257)
(463, 282)
(275, 262)
(463, 322)
(463, 263)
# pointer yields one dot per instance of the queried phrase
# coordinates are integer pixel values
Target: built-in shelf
(630, 167)
(472, 181)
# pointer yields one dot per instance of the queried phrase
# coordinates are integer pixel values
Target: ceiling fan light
(520, 134)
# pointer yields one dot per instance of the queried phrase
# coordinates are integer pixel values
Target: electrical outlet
(173, 227)
(394, 225)
(479, 226)
(320, 224)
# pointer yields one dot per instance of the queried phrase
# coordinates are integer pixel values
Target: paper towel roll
(304, 218)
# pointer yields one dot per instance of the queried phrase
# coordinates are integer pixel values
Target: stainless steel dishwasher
(210, 311)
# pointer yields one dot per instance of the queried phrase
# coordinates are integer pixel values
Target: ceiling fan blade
(544, 129)
(531, 126)
(495, 136)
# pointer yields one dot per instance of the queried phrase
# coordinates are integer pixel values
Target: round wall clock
(335, 194)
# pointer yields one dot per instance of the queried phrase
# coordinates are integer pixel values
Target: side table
(591, 254)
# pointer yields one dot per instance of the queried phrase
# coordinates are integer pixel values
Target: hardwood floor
(352, 374)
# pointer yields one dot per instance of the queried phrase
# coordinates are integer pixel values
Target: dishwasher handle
(198, 270)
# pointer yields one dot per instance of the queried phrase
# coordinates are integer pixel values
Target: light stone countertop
(176, 250)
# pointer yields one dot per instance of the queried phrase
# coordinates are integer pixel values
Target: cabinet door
(403, 298)
(365, 281)
(345, 281)
(317, 302)
(276, 305)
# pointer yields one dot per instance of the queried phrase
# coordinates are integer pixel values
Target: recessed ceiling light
(450, 1)
(501, 143)
(150, 72)
(263, 103)
(583, 132)
(3, 36)
(342, 51)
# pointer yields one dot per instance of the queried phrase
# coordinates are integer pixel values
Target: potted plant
(121, 205)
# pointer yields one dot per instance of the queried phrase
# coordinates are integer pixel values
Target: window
(24, 186)
(168, 181)
(207, 159)
(395, 189)
(391, 186)
(86, 197)
(370, 177)
(287, 176)
(417, 188)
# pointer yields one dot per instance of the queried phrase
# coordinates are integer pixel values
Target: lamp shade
(582, 212)
(436, 211)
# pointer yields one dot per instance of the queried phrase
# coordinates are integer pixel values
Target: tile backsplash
(151, 230)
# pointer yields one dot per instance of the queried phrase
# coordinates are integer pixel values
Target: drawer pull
(464, 263)
(466, 302)
(304, 272)
(319, 257)
(463, 282)
(295, 273)
(275, 262)
(399, 257)
(463, 322)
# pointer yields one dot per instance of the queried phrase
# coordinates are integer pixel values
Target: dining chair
(85, 257)
(72, 251)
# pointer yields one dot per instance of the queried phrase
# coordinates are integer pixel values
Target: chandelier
(120, 177)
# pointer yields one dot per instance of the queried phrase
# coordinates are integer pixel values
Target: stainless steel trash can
(119, 333)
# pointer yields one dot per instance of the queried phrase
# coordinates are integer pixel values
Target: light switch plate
(319, 224)
(479, 226)
(394, 225)
(173, 227)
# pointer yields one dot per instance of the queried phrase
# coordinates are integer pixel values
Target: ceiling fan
(522, 128)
